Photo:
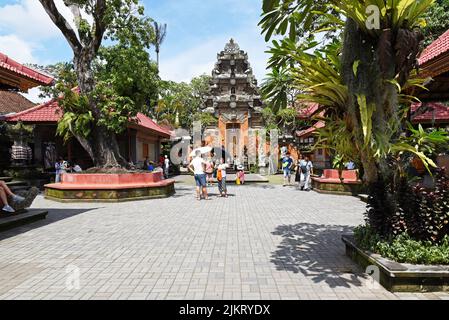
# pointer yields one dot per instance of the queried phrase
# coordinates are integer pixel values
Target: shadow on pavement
(54, 215)
(316, 251)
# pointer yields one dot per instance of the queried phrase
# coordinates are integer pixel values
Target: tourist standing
(241, 174)
(298, 171)
(197, 167)
(166, 166)
(306, 168)
(221, 178)
(60, 168)
(287, 163)
(209, 171)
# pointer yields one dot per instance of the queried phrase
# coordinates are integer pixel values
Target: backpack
(219, 175)
(304, 167)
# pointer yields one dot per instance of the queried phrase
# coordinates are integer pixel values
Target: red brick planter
(331, 183)
(110, 187)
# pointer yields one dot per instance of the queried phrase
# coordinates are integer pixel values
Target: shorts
(287, 173)
(200, 180)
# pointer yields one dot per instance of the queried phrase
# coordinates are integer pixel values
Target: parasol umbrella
(203, 150)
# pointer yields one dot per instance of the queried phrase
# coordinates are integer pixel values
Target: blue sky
(196, 31)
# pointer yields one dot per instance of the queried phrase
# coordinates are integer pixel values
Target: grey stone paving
(263, 242)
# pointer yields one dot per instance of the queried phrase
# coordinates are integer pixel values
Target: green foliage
(437, 21)
(402, 248)
(360, 81)
(19, 132)
(294, 18)
(206, 119)
(180, 103)
(277, 89)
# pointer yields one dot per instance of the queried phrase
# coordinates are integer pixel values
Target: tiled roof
(47, 112)
(12, 102)
(306, 110)
(144, 121)
(12, 65)
(51, 112)
(435, 49)
(306, 132)
(438, 112)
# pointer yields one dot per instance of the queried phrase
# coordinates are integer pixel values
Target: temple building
(141, 140)
(433, 110)
(235, 101)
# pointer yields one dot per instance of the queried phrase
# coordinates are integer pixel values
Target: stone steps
(16, 186)
(9, 221)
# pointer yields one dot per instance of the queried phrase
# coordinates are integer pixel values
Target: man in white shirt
(197, 167)
(306, 168)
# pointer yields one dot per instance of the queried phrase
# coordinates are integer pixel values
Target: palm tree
(160, 33)
(277, 89)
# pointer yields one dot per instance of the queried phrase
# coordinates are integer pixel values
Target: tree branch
(62, 24)
(99, 25)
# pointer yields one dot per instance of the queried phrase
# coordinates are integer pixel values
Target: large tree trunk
(376, 66)
(102, 145)
(106, 150)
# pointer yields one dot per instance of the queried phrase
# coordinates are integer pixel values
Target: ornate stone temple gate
(235, 101)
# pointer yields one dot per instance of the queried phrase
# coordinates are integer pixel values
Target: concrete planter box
(110, 187)
(337, 188)
(400, 277)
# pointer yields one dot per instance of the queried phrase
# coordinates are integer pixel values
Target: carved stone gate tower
(235, 100)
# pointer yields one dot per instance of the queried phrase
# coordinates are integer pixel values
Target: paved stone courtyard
(263, 242)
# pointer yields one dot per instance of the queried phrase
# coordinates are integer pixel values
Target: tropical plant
(362, 83)
(403, 248)
(356, 80)
(160, 31)
(277, 89)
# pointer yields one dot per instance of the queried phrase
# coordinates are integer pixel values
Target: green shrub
(402, 248)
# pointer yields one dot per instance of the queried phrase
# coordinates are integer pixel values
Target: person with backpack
(221, 178)
(306, 168)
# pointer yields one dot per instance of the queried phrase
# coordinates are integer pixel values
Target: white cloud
(28, 20)
(17, 49)
(33, 96)
(25, 27)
